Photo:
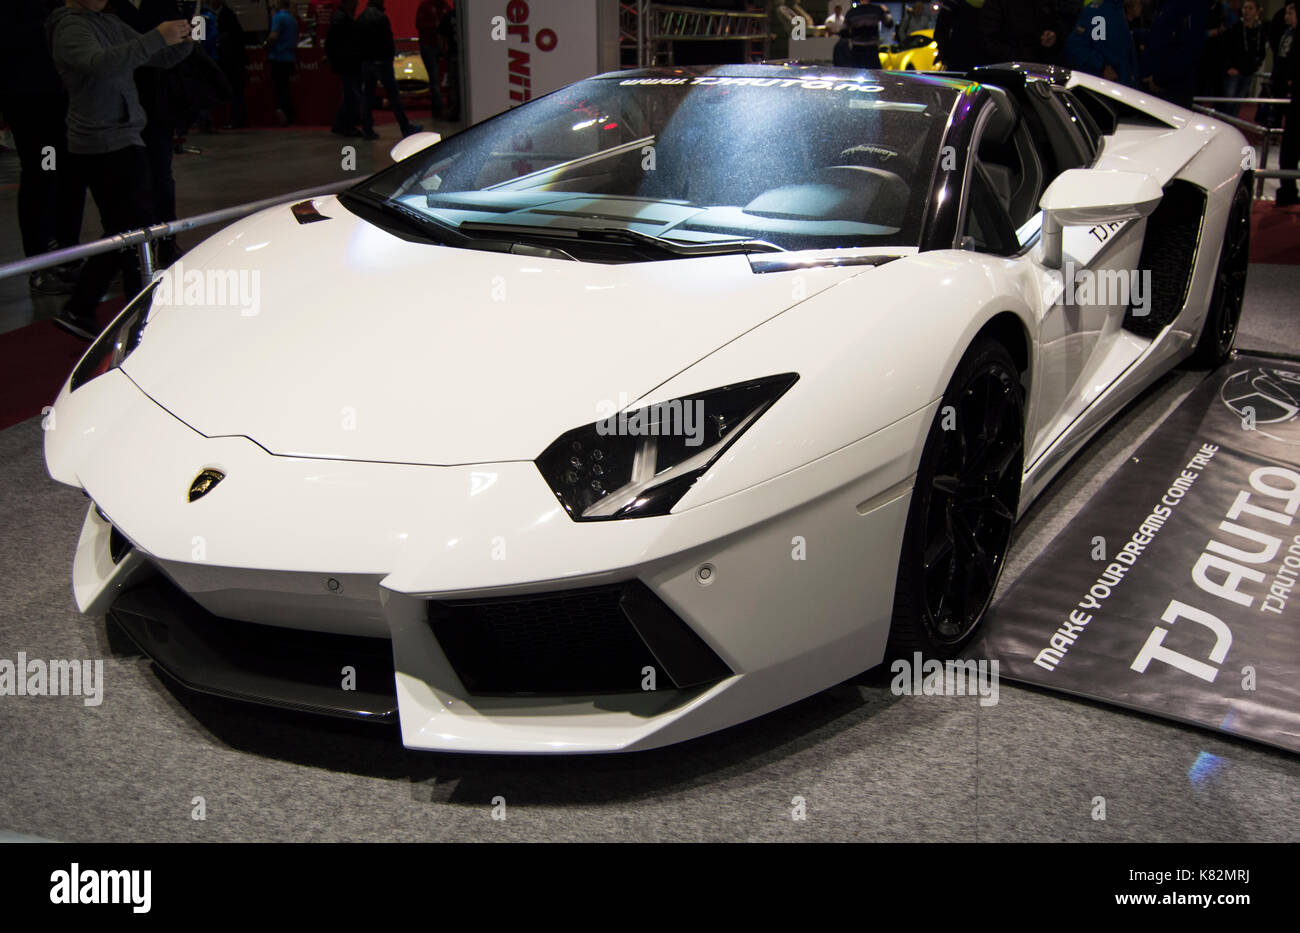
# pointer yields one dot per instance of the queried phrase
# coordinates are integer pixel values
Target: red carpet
(1275, 234)
(37, 358)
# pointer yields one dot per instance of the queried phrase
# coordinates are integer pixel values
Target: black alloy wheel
(963, 507)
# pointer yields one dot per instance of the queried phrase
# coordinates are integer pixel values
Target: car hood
(347, 342)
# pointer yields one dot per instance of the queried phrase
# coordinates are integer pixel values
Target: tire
(1219, 330)
(963, 507)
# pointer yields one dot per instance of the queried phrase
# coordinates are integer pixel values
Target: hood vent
(305, 212)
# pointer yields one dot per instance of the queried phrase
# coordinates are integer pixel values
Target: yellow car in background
(412, 80)
(412, 76)
(918, 52)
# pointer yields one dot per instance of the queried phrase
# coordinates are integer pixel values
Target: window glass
(798, 161)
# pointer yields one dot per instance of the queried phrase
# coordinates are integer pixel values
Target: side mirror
(1086, 197)
(412, 144)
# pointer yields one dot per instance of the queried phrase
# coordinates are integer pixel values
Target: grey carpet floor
(869, 765)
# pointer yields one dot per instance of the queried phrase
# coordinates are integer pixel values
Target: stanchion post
(1263, 161)
(146, 261)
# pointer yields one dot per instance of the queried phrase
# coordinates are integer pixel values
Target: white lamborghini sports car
(647, 407)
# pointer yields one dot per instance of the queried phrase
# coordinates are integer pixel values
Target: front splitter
(347, 676)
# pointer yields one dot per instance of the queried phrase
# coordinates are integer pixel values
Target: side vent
(1168, 253)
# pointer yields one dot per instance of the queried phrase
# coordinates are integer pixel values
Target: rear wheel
(963, 506)
(1219, 332)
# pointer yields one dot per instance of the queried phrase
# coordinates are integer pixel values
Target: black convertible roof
(1010, 72)
(790, 70)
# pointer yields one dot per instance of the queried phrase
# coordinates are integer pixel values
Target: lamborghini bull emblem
(204, 482)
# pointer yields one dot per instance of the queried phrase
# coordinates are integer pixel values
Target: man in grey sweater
(96, 55)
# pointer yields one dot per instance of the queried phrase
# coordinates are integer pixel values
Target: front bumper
(797, 596)
(349, 676)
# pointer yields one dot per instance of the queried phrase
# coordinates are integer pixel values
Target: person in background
(916, 17)
(1066, 13)
(1101, 43)
(320, 13)
(209, 40)
(835, 22)
(1026, 30)
(96, 55)
(1289, 156)
(233, 59)
(50, 196)
(343, 50)
(428, 20)
(1213, 64)
(859, 45)
(1279, 84)
(1276, 26)
(1138, 25)
(1168, 67)
(162, 122)
(377, 51)
(209, 45)
(1247, 45)
(957, 31)
(450, 32)
(282, 53)
(1267, 114)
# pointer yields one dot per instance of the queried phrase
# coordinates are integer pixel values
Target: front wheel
(963, 506)
(1219, 332)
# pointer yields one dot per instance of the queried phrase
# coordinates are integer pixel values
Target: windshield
(761, 157)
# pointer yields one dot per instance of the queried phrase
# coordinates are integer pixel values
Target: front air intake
(593, 641)
(117, 545)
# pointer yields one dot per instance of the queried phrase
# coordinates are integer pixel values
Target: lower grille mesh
(577, 642)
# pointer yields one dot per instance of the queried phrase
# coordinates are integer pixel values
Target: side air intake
(1168, 254)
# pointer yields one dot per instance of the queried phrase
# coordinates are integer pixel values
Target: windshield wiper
(625, 235)
(468, 233)
(427, 225)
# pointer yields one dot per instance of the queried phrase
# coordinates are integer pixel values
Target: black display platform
(1176, 589)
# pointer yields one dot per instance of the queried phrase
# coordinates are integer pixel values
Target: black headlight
(641, 462)
(116, 342)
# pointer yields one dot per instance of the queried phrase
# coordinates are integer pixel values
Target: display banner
(520, 49)
(1173, 591)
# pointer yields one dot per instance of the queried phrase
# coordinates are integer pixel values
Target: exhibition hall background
(315, 88)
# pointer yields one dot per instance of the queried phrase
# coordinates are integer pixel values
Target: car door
(1081, 306)
(1083, 346)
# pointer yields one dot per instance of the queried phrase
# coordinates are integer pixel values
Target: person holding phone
(96, 55)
